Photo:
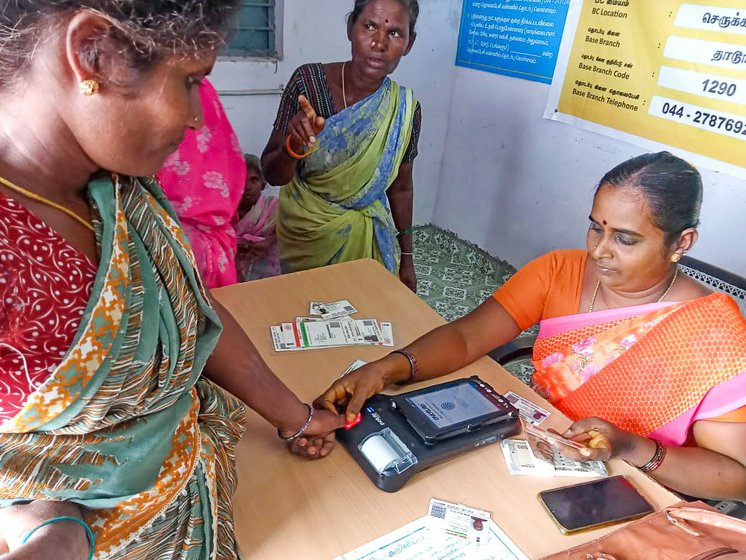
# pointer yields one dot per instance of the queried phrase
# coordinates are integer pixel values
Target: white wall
(490, 168)
(518, 185)
(315, 31)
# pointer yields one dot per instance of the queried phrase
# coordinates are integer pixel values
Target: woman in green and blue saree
(343, 146)
(123, 386)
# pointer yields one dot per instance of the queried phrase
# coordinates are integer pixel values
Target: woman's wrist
(293, 422)
(638, 451)
(397, 369)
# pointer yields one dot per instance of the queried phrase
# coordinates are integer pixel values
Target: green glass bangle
(88, 531)
(405, 231)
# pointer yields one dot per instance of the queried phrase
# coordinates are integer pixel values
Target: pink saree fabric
(258, 255)
(204, 181)
(653, 370)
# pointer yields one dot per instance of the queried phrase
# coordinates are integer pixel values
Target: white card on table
(529, 411)
(332, 309)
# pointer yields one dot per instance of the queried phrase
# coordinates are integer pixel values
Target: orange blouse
(547, 287)
(550, 286)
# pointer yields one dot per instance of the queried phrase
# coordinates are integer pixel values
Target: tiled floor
(454, 276)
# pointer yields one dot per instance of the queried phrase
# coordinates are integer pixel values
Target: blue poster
(518, 38)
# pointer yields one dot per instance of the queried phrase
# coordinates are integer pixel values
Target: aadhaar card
(325, 334)
(387, 333)
(332, 310)
(279, 341)
(458, 520)
(369, 332)
(529, 411)
(291, 336)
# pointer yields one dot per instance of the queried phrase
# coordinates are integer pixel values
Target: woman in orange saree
(647, 362)
(599, 364)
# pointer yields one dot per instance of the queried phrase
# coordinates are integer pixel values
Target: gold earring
(89, 87)
(676, 257)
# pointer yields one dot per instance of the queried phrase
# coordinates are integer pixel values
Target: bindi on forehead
(604, 222)
(387, 21)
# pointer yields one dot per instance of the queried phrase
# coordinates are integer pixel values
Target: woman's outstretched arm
(438, 352)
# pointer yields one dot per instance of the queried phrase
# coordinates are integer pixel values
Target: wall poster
(661, 74)
(518, 38)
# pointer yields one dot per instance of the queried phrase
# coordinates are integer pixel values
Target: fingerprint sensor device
(594, 504)
(402, 435)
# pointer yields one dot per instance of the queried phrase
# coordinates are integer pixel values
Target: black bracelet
(412, 365)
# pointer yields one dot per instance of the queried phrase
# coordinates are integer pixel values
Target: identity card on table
(332, 309)
(528, 411)
(306, 334)
(446, 533)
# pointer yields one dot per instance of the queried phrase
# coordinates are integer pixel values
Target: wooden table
(288, 508)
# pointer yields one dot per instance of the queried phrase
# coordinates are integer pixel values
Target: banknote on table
(537, 458)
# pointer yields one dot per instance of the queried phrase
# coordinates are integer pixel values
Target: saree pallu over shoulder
(124, 426)
(335, 209)
(652, 370)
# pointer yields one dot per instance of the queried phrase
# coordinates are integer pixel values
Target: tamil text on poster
(518, 38)
(663, 73)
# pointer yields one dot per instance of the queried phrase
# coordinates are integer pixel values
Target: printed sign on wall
(662, 74)
(518, 38)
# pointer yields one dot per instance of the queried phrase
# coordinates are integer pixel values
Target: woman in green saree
(120, 400)
(343, 148)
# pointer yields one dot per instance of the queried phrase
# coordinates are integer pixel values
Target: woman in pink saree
(204, 181)
(258, 255)
(649, 364)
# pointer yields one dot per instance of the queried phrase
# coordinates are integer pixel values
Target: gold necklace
(660, 299)
(344, 95)
(33, 196)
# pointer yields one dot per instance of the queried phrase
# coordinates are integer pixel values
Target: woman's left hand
(407, 274)
(602, 440)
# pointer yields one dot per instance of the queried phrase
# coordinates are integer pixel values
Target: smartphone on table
(594, 504)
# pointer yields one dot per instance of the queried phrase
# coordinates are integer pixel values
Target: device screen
(451, 405)
(591, 504)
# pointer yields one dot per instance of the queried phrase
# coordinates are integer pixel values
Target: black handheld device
(450, 409)
(400, 436)
(594, 504)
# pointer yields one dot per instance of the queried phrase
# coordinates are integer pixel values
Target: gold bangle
(289, 150)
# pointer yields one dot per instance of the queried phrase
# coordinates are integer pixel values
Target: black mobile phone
(594, 504)
(449, 409)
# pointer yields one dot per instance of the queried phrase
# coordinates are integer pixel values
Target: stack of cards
(330, 325)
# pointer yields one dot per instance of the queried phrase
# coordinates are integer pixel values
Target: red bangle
(412, 365)
(289, 150)
(656, 460)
